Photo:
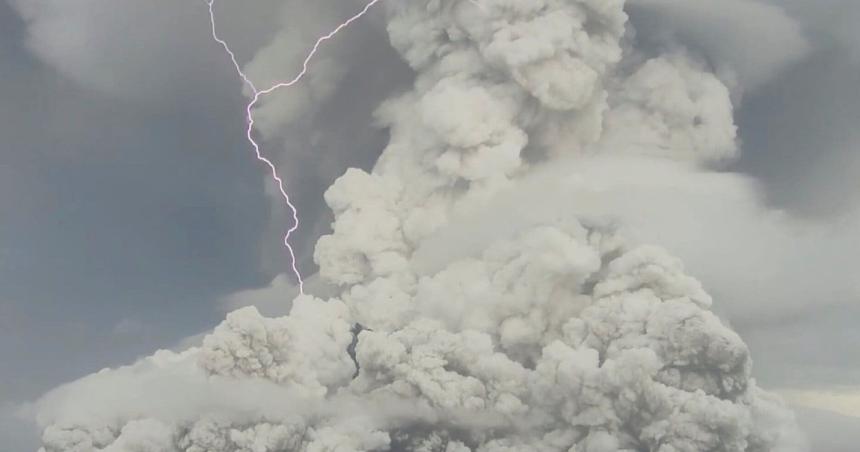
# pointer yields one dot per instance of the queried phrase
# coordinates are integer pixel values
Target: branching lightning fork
(257, 94)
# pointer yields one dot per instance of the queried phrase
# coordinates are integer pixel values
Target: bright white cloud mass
(504, 278)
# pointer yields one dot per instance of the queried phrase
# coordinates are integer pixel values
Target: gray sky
(129, 206)
(121, 222)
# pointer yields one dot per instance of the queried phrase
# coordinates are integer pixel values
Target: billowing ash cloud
(557, 336)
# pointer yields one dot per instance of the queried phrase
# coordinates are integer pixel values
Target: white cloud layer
(767, 264)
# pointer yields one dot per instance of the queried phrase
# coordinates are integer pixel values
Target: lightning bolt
(258, 94)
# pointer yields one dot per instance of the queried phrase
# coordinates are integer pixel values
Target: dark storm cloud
(801, 142)
(113, 212)
(800, 133)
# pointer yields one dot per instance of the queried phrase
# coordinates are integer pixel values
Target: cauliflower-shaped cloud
(559, 336)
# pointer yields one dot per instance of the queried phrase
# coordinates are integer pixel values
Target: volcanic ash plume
(560, 336)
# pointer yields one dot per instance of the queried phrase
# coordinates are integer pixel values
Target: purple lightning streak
(258, 94)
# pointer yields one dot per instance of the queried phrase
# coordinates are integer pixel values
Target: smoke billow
(559, 335)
